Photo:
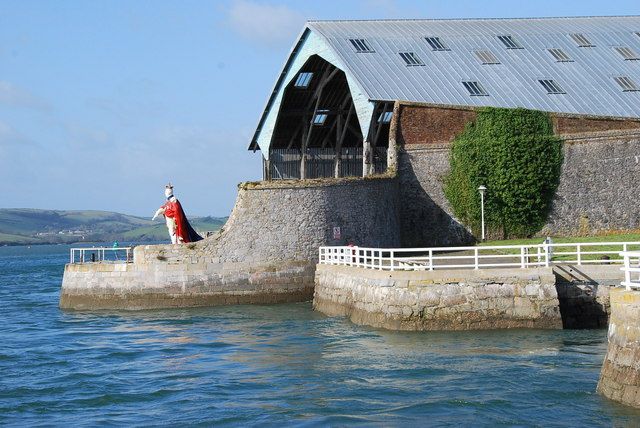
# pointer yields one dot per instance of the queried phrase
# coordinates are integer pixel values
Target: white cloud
(14, 96)
(265, 23)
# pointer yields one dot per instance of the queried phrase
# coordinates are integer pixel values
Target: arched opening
(317, 133)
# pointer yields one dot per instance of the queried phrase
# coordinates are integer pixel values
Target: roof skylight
(303, 80)
(551, 86)
(510, 42)
(411, 58)
(321, 117)
(487, 57)
(385, 117)
(475, 88)
(626, 83)
(436, 44)
(582, 41)
(627, 53)
(361, 46)
(559, 55)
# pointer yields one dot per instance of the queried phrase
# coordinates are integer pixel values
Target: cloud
(13, 96)
(263, 23)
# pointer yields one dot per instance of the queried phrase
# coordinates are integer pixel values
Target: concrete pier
(620, 375)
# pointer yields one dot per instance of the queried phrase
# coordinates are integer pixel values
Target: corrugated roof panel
(588, 81)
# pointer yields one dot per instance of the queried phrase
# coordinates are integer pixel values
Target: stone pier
(620, 375)
(440, 300)
(265, 253)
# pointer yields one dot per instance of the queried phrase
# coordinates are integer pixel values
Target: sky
(103, 102)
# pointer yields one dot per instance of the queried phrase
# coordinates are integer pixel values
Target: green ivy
(515, 154)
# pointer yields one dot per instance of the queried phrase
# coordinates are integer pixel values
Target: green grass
(632, 237)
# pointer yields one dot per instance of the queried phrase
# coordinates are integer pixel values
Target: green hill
(34, 226)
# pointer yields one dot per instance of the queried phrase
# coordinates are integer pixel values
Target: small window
(627, 53)
(551, 86)
(637, 33)
(626, 84)
(559, 55)
(475, 89)
(303, 80)
(510, 42)
(385, 117)
(487, 57)
(411, 58)
(361, 46)
(582, 41)
(436, 44)
(321, 117)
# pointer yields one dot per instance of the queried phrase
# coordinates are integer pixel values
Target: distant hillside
(34, 226)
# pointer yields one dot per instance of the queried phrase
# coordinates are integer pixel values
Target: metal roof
(587, 80)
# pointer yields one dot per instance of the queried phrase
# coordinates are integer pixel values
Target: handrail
(100, 255)
(522, 256)
(631, 273)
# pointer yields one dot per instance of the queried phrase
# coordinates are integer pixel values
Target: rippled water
(274, 365)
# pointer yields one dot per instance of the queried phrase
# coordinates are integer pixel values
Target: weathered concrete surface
(620, 375)
(266, 252)
(439, 300)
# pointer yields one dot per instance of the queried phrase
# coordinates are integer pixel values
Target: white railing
(101, 254)
(520, 256)
(631, 269)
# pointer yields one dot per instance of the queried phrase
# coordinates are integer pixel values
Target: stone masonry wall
(266, 251)
(620, 375)
(600, 174)
(598, 185)
(439, 300)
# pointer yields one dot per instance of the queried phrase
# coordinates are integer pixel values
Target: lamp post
(482, 189)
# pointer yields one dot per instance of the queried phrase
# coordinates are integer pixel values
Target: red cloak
(184, 231)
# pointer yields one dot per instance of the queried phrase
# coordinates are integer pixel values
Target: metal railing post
(627, 271)
(546, 255)
(391, 259)
(430, 259)
(579, 254)
(475, 258)
(522, 261)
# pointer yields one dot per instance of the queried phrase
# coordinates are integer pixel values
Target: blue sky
(103, 102)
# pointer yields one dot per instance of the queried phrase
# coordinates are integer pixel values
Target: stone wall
(266, 252)
(620, 375)
(426, 217)
(598, 185)
(439, 300)
(583, 293)
(600, 173)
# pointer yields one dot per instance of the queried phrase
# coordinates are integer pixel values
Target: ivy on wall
(514, 153)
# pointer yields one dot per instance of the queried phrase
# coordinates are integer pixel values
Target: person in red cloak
(179, 227)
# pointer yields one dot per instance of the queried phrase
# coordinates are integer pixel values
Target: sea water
(276, 365)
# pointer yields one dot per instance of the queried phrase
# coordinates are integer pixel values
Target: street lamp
(482, 189)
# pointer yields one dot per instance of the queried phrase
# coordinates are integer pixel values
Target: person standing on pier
(180, 229)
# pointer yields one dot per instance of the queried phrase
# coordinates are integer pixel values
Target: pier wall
(265, 253)
(620, 375)
(565, 296)
(601, 169)
(440, 300)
